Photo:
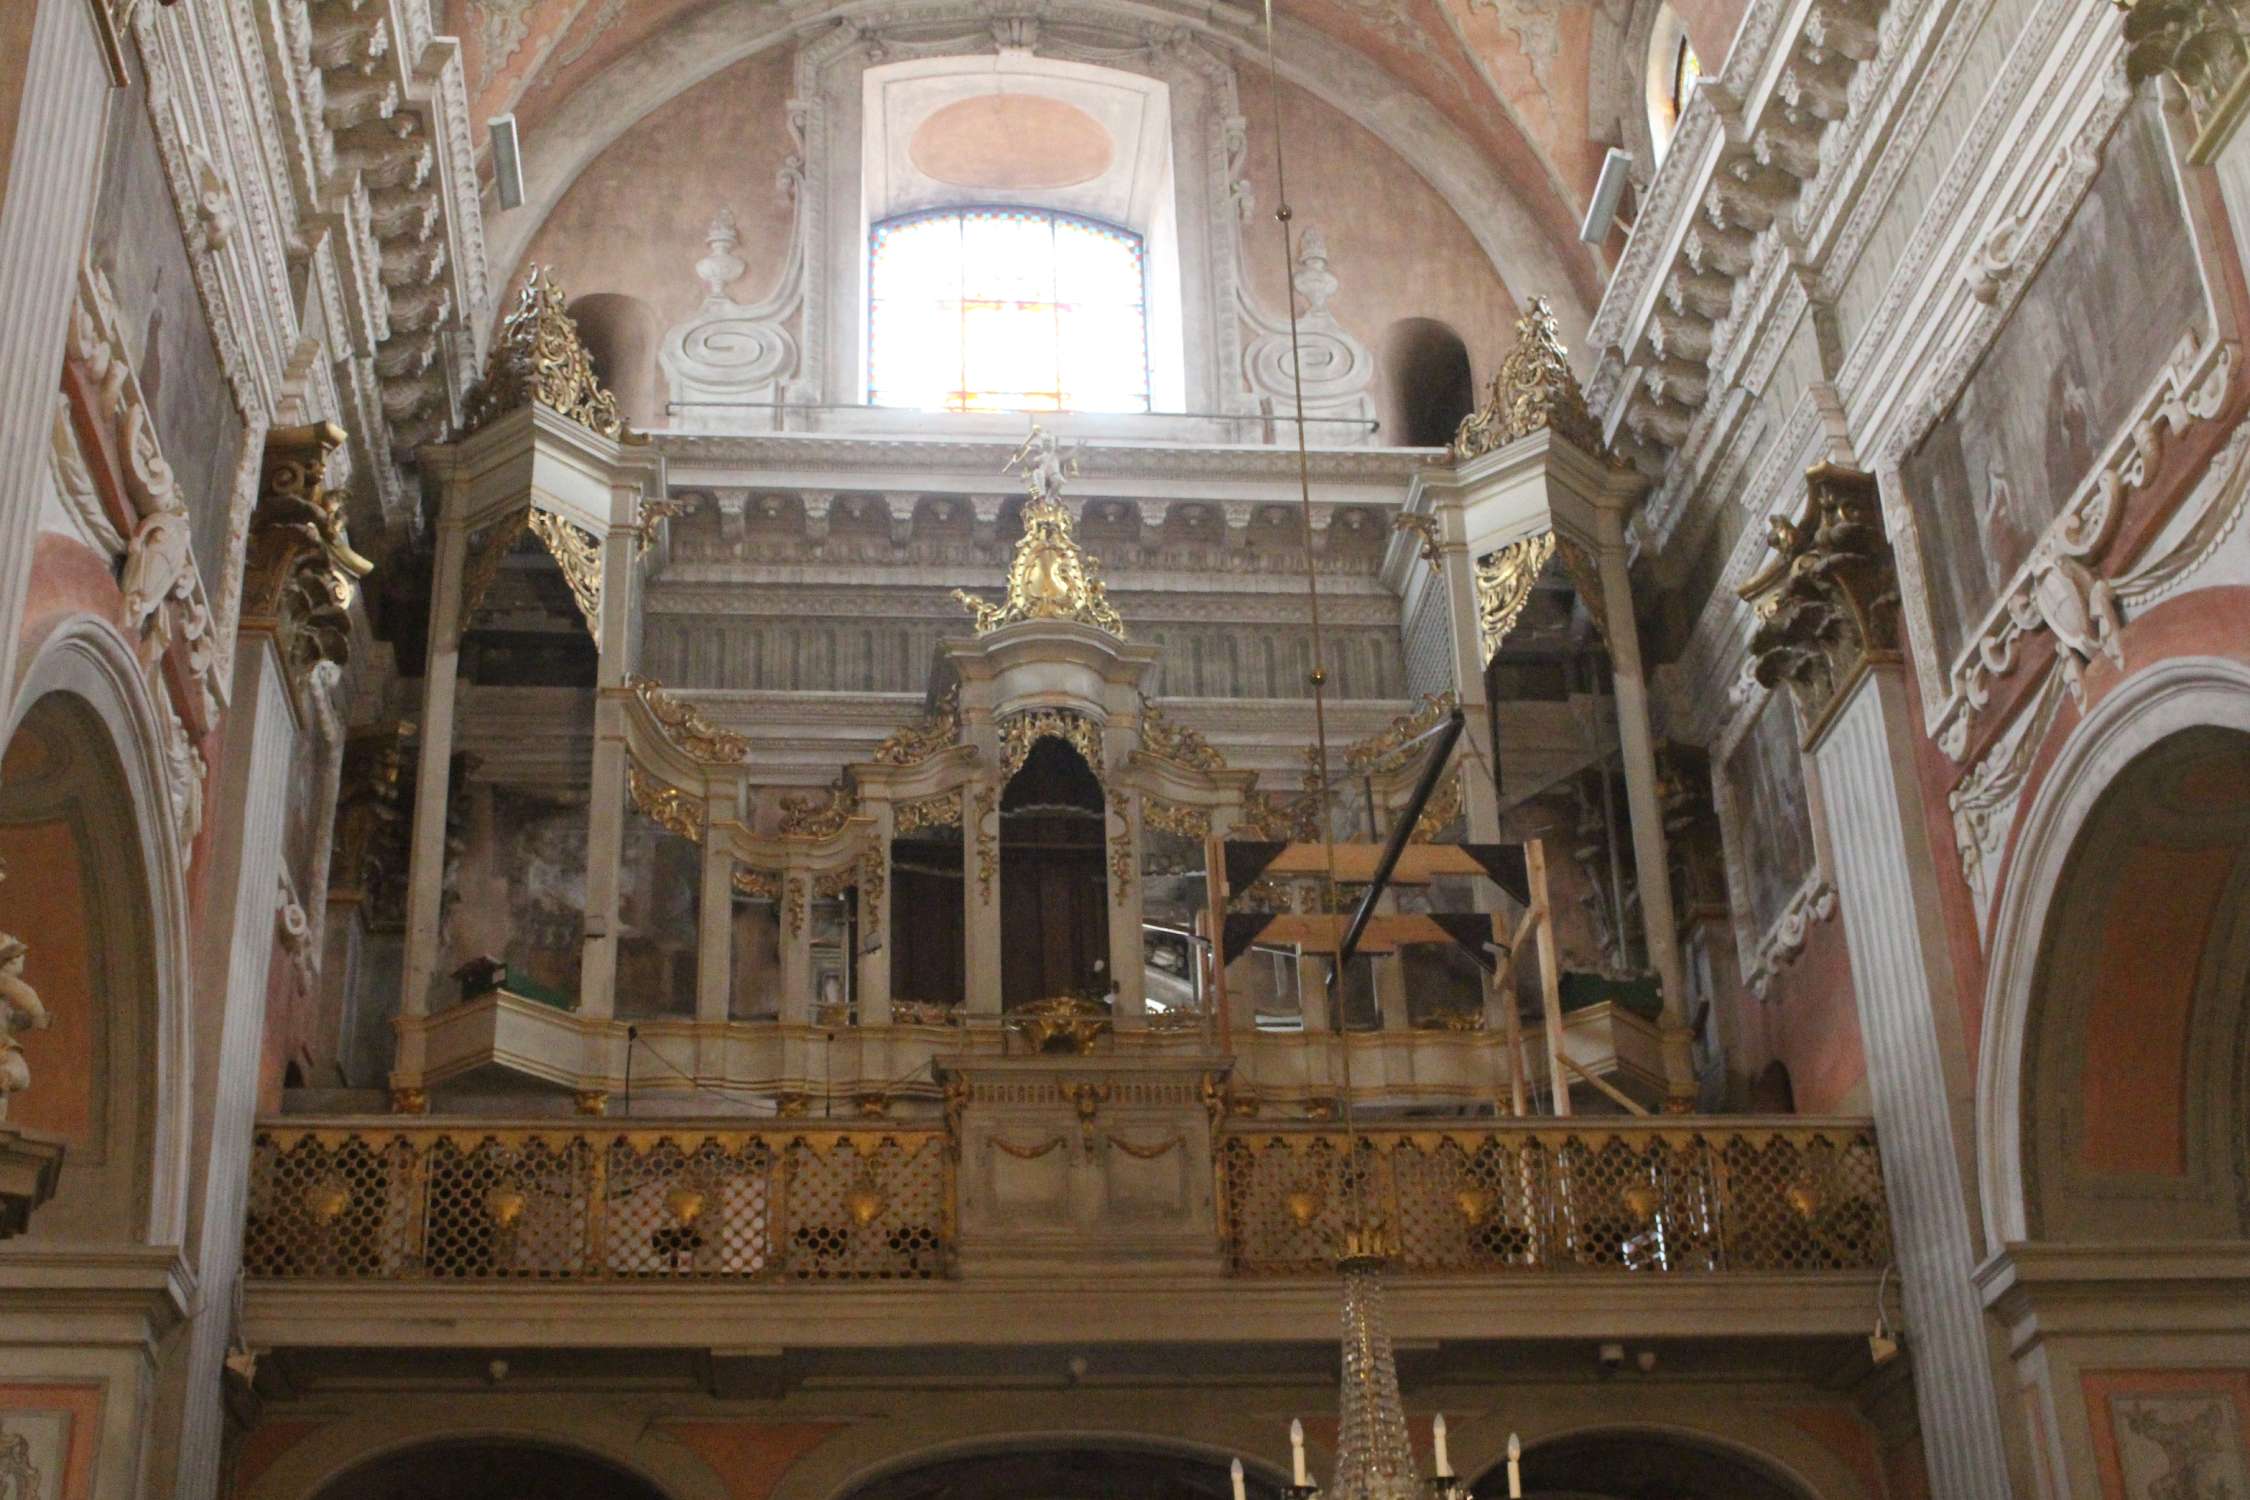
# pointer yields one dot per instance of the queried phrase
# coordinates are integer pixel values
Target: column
(1122, 862)
(51, 178)
(980, 893)
(432, 789)
(1650, 863)
(714, 957)
(1831, 631)
(605, 808)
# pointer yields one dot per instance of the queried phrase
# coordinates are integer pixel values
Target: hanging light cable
(1374, 1455)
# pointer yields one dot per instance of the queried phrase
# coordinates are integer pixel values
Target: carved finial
(1050, 576)
(539, 357)
(1533, 389)
(1827, 603)
(1315, 282)
(722, 265)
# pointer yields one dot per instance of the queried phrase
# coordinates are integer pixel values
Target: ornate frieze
(926, 813)
(1504, 580)
(1827, 604)
(301, 574)
(757, 885)
(1050, 577)
(1532, 390)
(818, 815)
(539, 358)
(1177, 818)
(686, 727)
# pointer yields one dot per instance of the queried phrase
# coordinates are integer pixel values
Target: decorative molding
(579, 555)
(2204, 47)
(663, 804)
(1310, 363)
(734, 365)
(1170, 741)
(983, 806)
(1020, 731)
(933, 735)
(1124, 864)
(925, 813)
(1177, 818)
(757, 885)
(818, 815)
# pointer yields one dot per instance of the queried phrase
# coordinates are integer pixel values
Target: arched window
(1673, 71)
(1007, 309)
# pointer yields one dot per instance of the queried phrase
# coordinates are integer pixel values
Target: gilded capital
(300, 572)
(539, 358)
(1533, 389)
(1827, 603)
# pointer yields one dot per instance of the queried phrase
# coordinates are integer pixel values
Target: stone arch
(1426, 383)
(621, 335)
(82, 772)
(1103, 1467)
(1623, 1460)
(2076, 807)
(466, 1468)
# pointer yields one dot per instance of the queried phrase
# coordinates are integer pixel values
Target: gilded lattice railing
(1648, 1196)
(378, 1202)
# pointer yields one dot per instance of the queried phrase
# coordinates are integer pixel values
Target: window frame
(1053, 217)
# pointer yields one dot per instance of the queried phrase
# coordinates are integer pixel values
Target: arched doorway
(488, 1469)
(1054, 894)
(77, 897)
(2137, 1046)
(1103, 1472)
(1636, 1466)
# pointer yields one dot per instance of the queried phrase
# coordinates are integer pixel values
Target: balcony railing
(1624, 1196)
(373, 1200)
(377, 1202)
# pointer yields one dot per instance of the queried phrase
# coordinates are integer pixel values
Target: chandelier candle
(1299, 1476)
(1515, 1468)
(1235, 1473)
(1444, 1463)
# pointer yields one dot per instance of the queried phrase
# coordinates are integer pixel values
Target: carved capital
(1827, 604)
(300, 573)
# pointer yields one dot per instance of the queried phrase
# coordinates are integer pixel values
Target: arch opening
(1108, 1471)
(1054, 892)
(1427, 381)
(488, 1469)
(621, 334)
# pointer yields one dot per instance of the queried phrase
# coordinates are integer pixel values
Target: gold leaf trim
(665, 805)
(684, 725)
(1533, 389)
(1177, 743)
(580, 558)
(539, 357)
(1019, 732)
(1050, 577)
(941, 811)
(1504, 582)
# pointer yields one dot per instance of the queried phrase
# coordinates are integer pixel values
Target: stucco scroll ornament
(1534, 388)
(1318, 363)
(730, 360)
(1828, 602)
(539, 358)
(1177, 743)
(1504, 581)
(1050, 577)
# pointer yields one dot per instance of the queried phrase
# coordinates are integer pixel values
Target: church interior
(1124, 750)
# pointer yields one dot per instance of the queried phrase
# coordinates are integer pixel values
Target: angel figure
(1044, 467)
(20, 1010)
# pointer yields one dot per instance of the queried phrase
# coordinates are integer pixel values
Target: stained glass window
(1006, 309)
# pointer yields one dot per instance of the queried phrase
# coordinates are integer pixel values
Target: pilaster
(980, 893)
(874, 953)
(1828, 626)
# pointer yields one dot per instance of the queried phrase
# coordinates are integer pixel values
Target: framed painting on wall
(1777, 870)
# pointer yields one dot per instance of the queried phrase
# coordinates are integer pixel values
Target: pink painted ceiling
(1511, 75)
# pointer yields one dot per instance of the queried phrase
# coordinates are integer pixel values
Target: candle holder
(1302, 1492)
(1446, 1487)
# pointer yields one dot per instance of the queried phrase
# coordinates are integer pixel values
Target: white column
(605, 807)
(1646, 813)
(51, 178)
(714, 958)
(1916, 1071)
(980, 891)
(243, 881)
(432, 787)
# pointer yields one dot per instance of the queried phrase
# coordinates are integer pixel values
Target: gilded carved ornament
(1533, 389)
(924, 813)
(1504, 581)
(539, 358)
(1177, 743)
(918, 742)
(985, 804)
(665, 805)
(1019, 732)
(1380, 752)
(573, 548)
(818, 815)
(684, 725)
(300, 573)
(1828, 602)
(757, 885)
(1049, 577)
(1177, 818)
(1123, 865)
